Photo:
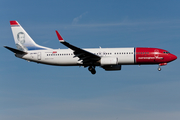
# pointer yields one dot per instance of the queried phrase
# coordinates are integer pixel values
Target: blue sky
(41, 92)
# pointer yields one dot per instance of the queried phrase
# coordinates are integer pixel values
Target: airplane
(107, 58)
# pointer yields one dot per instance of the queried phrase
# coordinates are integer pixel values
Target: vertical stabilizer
(22, 40)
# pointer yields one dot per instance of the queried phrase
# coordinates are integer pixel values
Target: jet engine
(109, 61)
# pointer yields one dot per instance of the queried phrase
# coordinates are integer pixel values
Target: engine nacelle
(109, 61)
(112, 67)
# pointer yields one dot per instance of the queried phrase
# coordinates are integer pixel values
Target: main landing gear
(92, 69)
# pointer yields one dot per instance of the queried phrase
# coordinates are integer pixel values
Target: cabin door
(39, 55)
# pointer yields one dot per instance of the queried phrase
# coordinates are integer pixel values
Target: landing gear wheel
(92, 70)
(159, 69)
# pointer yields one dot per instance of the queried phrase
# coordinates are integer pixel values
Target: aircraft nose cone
(174, 57)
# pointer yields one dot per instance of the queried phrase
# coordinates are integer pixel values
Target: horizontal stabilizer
(15, 50)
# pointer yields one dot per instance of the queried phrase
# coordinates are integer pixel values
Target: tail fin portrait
(22, 40)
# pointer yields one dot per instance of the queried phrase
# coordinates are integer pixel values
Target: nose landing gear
(159, 68)
(92, 69)
(161, 64)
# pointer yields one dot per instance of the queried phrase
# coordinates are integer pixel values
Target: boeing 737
(106, 58)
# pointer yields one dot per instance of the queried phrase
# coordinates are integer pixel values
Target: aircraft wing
(84, 55)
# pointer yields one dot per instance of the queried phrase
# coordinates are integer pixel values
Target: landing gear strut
(92, 69)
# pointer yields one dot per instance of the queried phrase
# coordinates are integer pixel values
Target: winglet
(59, 37)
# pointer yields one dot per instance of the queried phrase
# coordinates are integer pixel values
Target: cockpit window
(166, 52)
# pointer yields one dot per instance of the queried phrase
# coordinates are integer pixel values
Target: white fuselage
(66, 57)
